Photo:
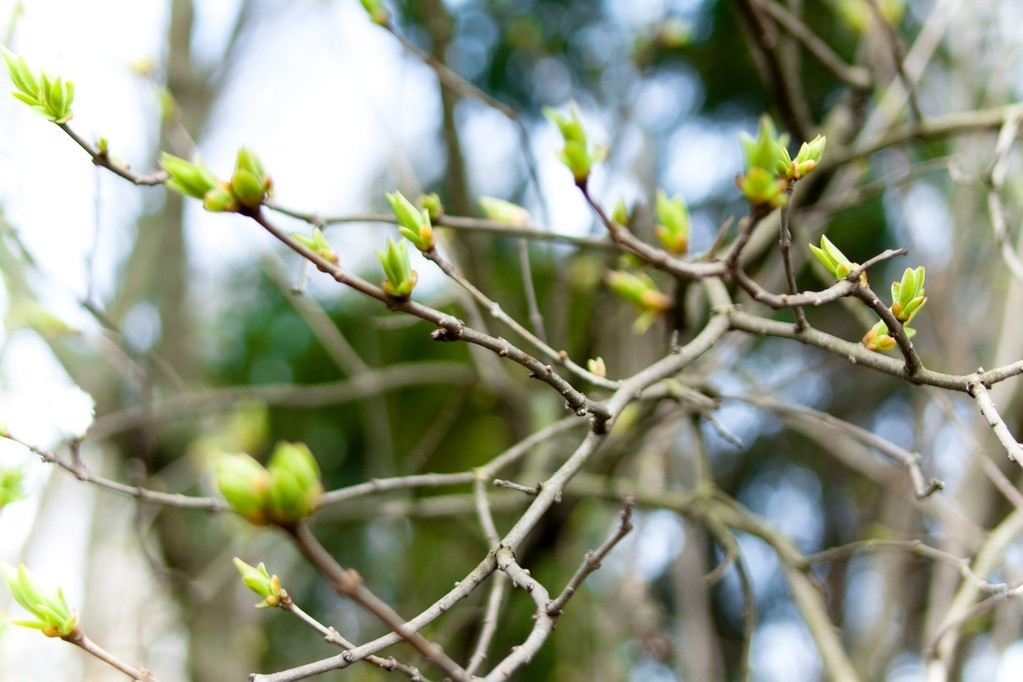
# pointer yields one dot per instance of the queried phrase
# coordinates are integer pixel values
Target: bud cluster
(318, 244)
(908, 297)
(286, 491)
(641, 291)
(248, 189)
(47, 96)
(53, 616)
(401, 278)
(770, 170)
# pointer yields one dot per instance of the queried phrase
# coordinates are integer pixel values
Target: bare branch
(978, 390)
(593, 559)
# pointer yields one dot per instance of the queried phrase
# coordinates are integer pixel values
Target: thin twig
(458, 223)
(83, 473)
(103, 160)
(857, 353)
(206, 401)
(449, 78)
(910, 461)
(543, 621)
(853, 76)
(898, 58)
(348, 583)
(533, 490)
(449, 328)
(840, 289)
(498, 313)
(483, 512)
(593, 558)
(916, 547)
(656, 257)
(995, 199)
(79, 639)
(332, 636)
(784, 244)
(979, 392)
(489, 626)
(895, 329)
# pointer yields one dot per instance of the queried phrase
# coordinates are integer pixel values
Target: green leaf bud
(761, 188)
(247, 188)
(643, 293)
(10, 486)
(877, 339)
(413, 223)
(220, 199)
(378, 14)
(908, 295)
(431, 203)
(245, 484)
(185, 177)
(295, 487)
(47, 96)
(54, 618)
(401, 278)
(576, 153)
(620, 214)
(672, 223)
(809, 156)
(259, 580)
(317, 243)
(22, 75)
(249, 182)
(504, 211)
(834, 260)
(767, 151)
(597, 367)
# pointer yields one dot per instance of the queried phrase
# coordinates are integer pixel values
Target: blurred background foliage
(667, 86)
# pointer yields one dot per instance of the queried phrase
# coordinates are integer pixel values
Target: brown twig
(83, 473)
(79, 639)
(103, 160)
(348, 583)
(332, 636)
(591, 562)
(978, 390)
(853, 76)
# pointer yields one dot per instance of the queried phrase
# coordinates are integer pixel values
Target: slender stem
(591, 562)
(449, 328)
(334, 637)
(989, 410)
(83, 473)
(449, 78)
(785, 243)
(484, 513)
(895, 329)
(853, 76)
(103, 160)
(348, 583)
(910, 461)
(913, 546)
(498, 313)
(79, 639)
(489, 627)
